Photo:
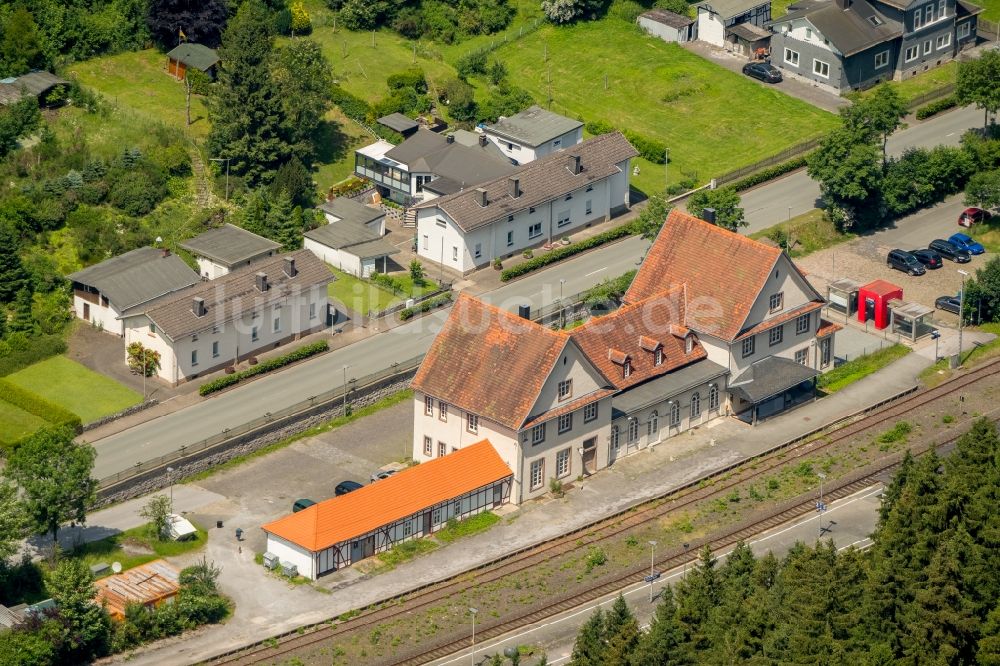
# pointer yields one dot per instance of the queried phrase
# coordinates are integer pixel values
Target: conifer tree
(12, 272)
(588, 649)
(23, 322)
(699, 594)
(661, 645)
(621, 633)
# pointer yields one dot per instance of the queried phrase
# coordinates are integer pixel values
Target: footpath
(266, 605)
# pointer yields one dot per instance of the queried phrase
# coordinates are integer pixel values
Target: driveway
(808, 93)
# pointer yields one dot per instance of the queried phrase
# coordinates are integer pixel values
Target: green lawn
(711, 119)
(806, 233)
(992, 8)
(987, 234)
(134, 547)
(138, 81)
(971, 357)
(82, 391)
(363, 295)
(780, 7)
(924, 82)
(16, 423)
(859, 368)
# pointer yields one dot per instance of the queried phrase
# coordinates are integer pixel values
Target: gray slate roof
(770, 376)
(230, 296)
(533, 126)
(137, 277)
(229, 245)
(399, 123)
(667, 18)
(540, 181)
(750, 32)
(349, 210)
(662, 387)
(32, 83)
(194, 55)
(727, 9)
(429, 152)
(850, 30)
(353, 237)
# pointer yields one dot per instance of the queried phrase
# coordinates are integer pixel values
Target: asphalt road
(848, 522)
(275, 392)
(797, 193)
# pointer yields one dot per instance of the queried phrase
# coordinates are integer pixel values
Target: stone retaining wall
(134, 409)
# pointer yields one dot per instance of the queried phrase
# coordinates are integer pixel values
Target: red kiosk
(873, 302)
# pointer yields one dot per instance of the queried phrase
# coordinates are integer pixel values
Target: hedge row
(358, 109)
(38, 406)
(650, 149)
(566, 251)
(305, 351)
(425, 306)
(769, 174)
(943, 104)
(36, 349)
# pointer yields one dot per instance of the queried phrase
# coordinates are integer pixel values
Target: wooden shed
(150, 584)
(194, 56)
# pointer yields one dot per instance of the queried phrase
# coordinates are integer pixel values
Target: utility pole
(473, 611)
(961, 313)
(820, 506)
(170, 472)
(345, 389)
(652, 574)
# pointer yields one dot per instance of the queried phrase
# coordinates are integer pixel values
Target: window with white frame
(881, 59)
(802, 324)
(911, 54)
(809, 33)
(929, 14)
(510, 238)
(443, 411)
(801, 356)
(825, 348)
(478, 251)
(821, 68)
(918, 19)
(194, 357)
(428, 446)
(776, 301)
(944, 40)
(928, 47)
(633, 430)
(563, 219)
(565, 423)
(454, 253)
(537, 473)
(254, 335)
(776, 335)
(277, 324)
(964, 30)
(538, 434)
(312, 310)
(535, 230)
(589, 208)
(749, 346)
(614, 438)
(791, 57)
(658, 356)
(562, 463)
(428, 405)
(675, 413)
(590, 412)
(472, 423)
(653, 426)
(713, 397)
(626, 368)
(565, 389)
(425, 242)
(942, 9)
(695, 405)
(442, 449)
(215, 349)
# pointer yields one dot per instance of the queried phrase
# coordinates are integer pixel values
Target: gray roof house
(227, 248)
(533, 133)
(113, 288)
(718, 18)
(193, 56)
(352, 241)
(397, 122)
(36, 84)
(666, 25)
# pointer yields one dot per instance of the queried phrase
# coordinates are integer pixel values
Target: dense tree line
(440, 20)
(926, 592)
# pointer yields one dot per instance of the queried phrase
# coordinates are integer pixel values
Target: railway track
(717, 483)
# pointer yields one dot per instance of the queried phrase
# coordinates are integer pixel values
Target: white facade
(522, 153)
(287, 551)
(711, 28)
(97, 310)
(667, 33)
(341, 259)
(440, 239)
(222, 344)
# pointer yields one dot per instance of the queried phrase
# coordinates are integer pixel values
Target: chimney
(514, 187)
(481, 196)
(708, 214)
(290, 269)
(261, 282)
(524, 311)
(198, 306)
(482, 140)
(574, 165)
(450, 138)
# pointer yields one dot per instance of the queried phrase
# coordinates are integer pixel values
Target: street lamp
(473, 611)
(345, 389)
(562, 308)
(226, 160)
(936, 336)
(170, 473)
(686, 546)
(652, 574)
(961, 313)
(820, 506)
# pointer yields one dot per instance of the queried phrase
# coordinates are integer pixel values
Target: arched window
(653, 425)
(633, 430)
(713, 397)
(695, 405)
(675, 413)
(614, 437)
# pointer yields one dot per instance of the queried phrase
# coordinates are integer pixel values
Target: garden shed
(666, 25)
(191, 56)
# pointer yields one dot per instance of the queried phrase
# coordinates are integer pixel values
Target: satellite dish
(116, 567)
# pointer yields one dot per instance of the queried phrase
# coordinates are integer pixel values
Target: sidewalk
(266, 606)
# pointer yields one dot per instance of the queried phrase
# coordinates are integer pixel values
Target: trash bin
(218, 524)
(239, 534)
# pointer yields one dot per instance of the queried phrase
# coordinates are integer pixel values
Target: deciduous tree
(725, 201)
(875, 116)
(20, 46)
(303, 75)
(155, 510)
(983, 189)
(978, 83)
(201, 21)
(86, 625)
(652, 217)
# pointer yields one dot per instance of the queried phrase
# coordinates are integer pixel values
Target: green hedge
(358, 109)
(769, 174)
(37, 405)
(650, 149)
(943, 104)
(35, 349)
(567, 251)
(425, 306)
(302, 352)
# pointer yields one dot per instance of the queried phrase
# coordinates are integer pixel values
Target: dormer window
(875, 21)
(626, 368)
(688, 344)
(658, 356)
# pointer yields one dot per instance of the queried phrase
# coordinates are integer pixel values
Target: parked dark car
(345, 487)
(949, 251)
(928, 258)
(963, 242)
(902, 260)
(764, 71)
(948, 303)
(972, 216)
(302, 503)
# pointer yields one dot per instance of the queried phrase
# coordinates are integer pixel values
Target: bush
(769, 174)
(352, 106)
(650, 149)
(565, 251)
(425, 306)
(471, 63)
(302, 352)
(392, 284)
(943, 104)
(35, 404)
(136, 193)
(30, 350)
(598, 127)
(411, 78)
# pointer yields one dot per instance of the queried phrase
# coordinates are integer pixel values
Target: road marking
(864, 493)
(596, 272)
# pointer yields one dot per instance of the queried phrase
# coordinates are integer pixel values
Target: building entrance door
(427, 523)
(86, 311)
(590, 455)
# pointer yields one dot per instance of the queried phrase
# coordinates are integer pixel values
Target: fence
(784, 156)
(443, 288)
(930, 96)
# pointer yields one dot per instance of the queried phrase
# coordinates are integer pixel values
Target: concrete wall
(711, 28)
(345, 261)
(664, 32)
(289, 552)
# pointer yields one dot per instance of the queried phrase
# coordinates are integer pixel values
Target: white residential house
(218, 323)
(105, 292)
(227, 248)
(538, 204)
(533, 133)
(352, 238)
(736, 25)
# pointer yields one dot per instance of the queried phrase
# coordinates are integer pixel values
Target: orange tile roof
(827, 328)
(384, 502)
(633, 331)
(568, 407)
(723, 271)
(784, 317)
(490, 362)
(149, 583)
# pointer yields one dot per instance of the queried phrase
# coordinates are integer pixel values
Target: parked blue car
(963, 242)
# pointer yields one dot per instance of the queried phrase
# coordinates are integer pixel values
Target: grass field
(82, 391)
(712, 120)
(134, 547)
(16, 423)
(992, 8)
(924, 82)
(138, 81)
(363, 296)
(859, 368)
(806, 233)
